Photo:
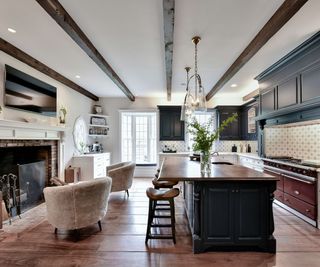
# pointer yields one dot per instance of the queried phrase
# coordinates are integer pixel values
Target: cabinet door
(218, 215)
(177, 127)
(310, 85)
(232, 131)
(267, 101)
(171, 127)
(165, 125)
(251, 217)
(288, 93)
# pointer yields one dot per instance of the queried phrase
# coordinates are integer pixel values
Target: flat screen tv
(27, 93)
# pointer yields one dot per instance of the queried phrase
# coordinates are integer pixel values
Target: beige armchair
(122, 176)
(75, 206)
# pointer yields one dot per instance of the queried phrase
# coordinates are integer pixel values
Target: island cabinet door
(251, 204)
(218, 215)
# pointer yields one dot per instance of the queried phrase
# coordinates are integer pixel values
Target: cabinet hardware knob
(296, 192)
(307, 210)
(232, 190)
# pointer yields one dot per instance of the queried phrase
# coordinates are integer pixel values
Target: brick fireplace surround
(52, 157)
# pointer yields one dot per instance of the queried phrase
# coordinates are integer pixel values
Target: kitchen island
(230, 209)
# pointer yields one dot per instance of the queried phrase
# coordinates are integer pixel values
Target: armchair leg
(127, 191)
(99, 223)
(55, 231)
(76, 234)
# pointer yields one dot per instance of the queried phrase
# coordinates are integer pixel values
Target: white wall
(111, 107)
(75, 103)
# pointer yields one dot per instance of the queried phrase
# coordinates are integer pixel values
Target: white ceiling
(129, 34)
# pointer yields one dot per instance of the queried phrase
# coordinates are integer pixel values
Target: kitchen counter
(230, 209)
(175, 153)
(182, 169)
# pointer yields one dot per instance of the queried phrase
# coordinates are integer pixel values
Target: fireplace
(26, 167)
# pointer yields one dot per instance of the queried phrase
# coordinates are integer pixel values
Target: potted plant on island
(204, 137)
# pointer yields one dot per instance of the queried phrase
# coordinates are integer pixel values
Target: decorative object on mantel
(1, 113)
(204, 138)
(62, 115)
(80, 134)
(97, 109)
(194, 101)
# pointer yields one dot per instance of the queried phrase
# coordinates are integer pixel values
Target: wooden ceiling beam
(251, 95)
(66, 22)
(168, 24)
(283, 14)
(15, 52)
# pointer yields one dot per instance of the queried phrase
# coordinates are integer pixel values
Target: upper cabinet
(248, 121)
(171, 127)
(233, 130)
(293, 83)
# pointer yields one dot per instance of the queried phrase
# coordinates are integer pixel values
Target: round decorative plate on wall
(80, 134)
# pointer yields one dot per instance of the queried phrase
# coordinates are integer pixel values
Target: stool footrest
(162, 216)
(161, 225)
(160, 237)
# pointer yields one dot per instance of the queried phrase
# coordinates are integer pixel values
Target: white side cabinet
(92, 165)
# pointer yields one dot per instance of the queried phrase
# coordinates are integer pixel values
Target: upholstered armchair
(122, 176)
(74, 206)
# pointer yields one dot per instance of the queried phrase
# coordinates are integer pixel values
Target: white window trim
(139, 111)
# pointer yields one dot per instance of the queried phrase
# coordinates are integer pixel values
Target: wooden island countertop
(183, 169)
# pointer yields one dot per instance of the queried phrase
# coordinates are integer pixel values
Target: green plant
(203, 135)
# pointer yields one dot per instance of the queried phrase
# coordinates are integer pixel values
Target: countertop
(175, 153)
(91, 154)
(182, 169)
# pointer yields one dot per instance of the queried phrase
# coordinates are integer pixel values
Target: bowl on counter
(169, 151)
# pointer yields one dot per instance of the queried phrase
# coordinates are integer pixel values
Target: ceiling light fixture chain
(194, 99)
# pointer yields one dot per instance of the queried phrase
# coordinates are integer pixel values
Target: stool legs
(173, 220)
(151, 216)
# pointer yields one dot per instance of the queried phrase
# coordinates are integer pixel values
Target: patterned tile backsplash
(180, 146)
(220, 146)
(301, 142)
(226, 146)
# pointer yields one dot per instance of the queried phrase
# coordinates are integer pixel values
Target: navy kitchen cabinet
(233, 130)
(292, 84)
(249, 126)
(171, 127)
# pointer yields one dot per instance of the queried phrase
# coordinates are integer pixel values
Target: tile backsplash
(301, 142)
(226, 146)
(180, 146)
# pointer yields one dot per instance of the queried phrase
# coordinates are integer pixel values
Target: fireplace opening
(24, 173)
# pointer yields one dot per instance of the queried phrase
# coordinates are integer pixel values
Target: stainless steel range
(297, 186)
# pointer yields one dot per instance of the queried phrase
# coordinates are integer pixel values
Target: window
(202, 118)
(138, 137)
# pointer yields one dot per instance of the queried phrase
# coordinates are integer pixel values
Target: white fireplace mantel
(27, 131)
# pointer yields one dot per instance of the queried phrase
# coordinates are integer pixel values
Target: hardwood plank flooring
(31, 241)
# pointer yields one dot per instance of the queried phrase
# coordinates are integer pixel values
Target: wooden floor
(31, 241)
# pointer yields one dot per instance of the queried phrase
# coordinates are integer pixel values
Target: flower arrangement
(204, 136)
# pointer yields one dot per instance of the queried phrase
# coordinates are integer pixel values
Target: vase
(205, 162)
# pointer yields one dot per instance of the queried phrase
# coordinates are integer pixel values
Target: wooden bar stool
(162, 184)
(154, 196)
